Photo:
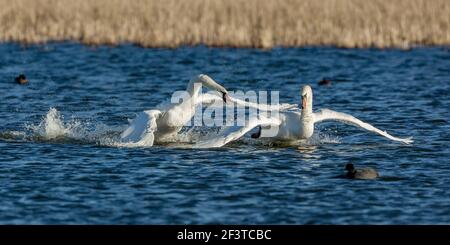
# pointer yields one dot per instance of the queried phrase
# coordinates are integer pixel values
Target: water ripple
(73, 177)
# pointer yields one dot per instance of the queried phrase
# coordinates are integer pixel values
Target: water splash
(319, 138)
(53, 128)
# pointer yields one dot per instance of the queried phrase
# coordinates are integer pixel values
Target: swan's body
(162, 125)
(293, 125)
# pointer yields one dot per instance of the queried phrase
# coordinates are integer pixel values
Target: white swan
(291, 125)
(163, 124)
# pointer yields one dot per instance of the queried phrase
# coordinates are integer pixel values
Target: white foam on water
(12, 135)
(319, 138)
(53, 128)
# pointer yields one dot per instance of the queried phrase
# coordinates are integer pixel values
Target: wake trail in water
(54, 129)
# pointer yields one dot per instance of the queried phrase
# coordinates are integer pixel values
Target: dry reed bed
(235, 23)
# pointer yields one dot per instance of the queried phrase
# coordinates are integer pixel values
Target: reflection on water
(307, 152)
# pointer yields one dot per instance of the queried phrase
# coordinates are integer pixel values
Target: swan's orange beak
(303, 102)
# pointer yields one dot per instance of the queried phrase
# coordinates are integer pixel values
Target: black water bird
(324, 82)
(362, 173)
(21, 79)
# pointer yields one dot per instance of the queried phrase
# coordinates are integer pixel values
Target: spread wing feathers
(212, 97)
(235, 132)
(326, 114)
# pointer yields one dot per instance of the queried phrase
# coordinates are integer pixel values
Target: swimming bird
(21, 79)
(324, 82)
(161, 125)
(291, 125)
(362, 173)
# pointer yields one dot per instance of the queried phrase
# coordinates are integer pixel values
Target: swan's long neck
(307, 108)
(195, 85)
(306, 118)
(307, 111)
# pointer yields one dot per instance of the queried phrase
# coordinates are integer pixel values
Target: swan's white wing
(235, 132)
(211, 98)
(326, 114)
(264, 107)
(208, 98)
(141, 129)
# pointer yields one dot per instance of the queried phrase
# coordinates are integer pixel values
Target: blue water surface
(76, 181)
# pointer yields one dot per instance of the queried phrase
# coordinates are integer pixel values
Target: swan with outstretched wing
(327, 114)
(161, 125)
(292, 125)
(164, 123)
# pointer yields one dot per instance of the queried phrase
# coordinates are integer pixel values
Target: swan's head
(306, 94)
(226, 98)
(211, 84)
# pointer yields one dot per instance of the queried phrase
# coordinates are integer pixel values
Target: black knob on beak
(224, 97)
